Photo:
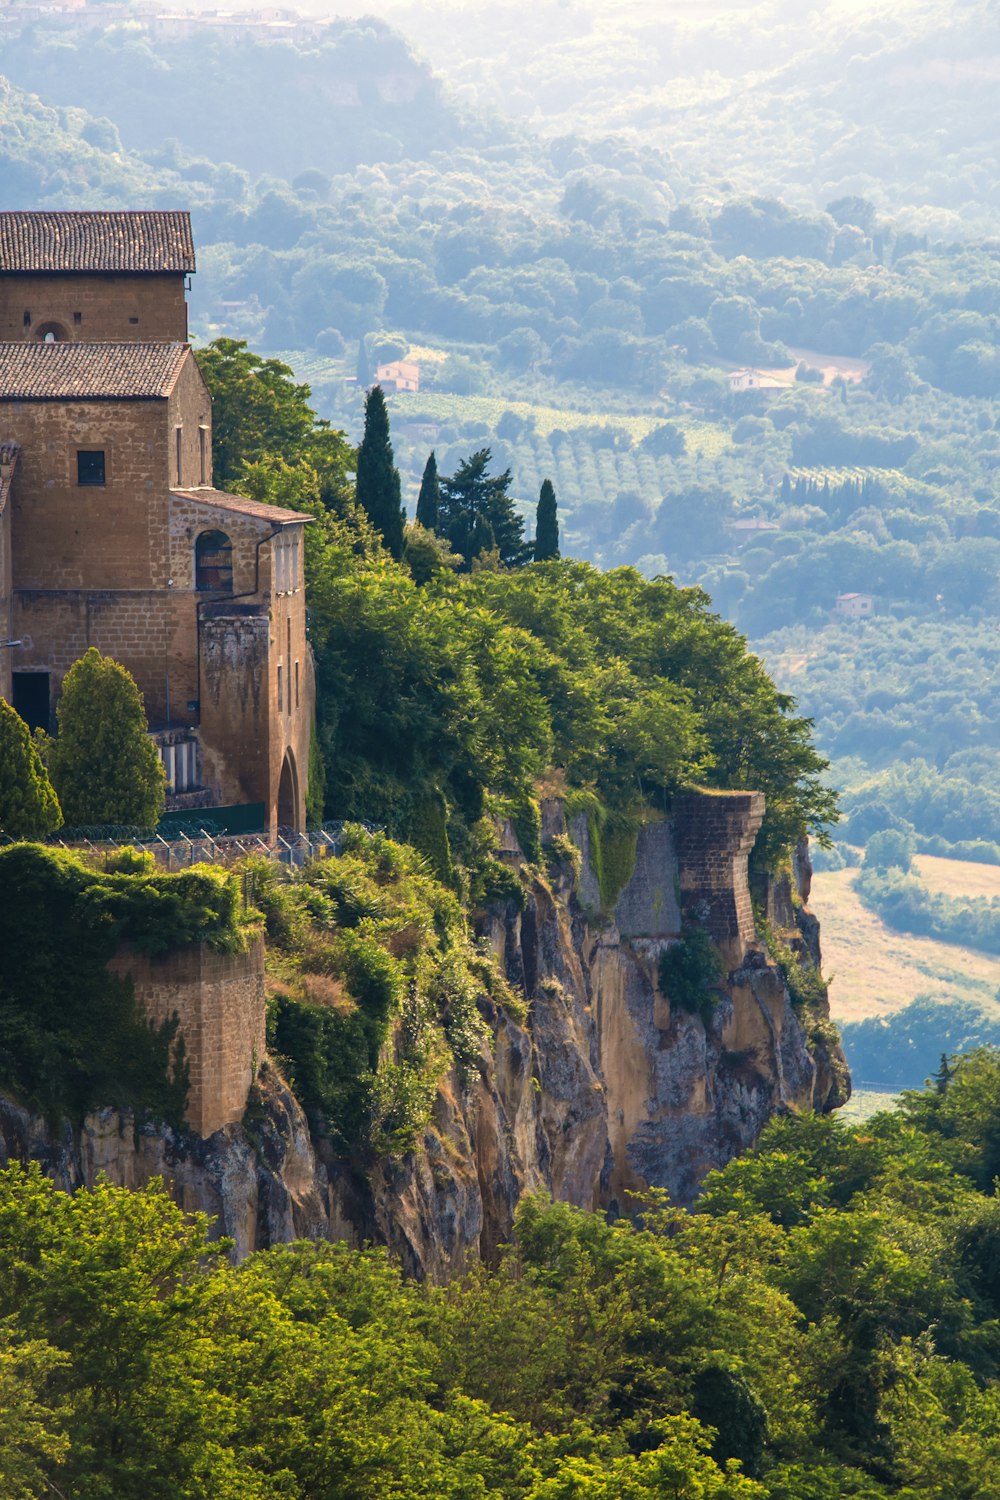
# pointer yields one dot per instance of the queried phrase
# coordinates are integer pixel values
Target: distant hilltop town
(75, 15)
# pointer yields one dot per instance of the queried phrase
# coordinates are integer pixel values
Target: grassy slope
(877, 971)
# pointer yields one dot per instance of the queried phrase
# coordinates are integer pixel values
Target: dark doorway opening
(288, 795)
(31, 698)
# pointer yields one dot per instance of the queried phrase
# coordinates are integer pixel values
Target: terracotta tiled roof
(88, 372)
(277, 515)
(150, 241)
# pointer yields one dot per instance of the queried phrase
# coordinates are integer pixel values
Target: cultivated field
(958, 877)
(877, 971)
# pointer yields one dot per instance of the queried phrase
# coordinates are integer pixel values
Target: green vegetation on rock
(72, 1038)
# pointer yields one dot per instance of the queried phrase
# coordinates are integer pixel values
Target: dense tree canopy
(822, 1325)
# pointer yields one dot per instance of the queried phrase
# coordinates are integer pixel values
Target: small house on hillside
(399, 375)
(747, 528)
(753, 380)
(854, 606)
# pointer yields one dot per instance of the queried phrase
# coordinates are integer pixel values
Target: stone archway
(288, 794)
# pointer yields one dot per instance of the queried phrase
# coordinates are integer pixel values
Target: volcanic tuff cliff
(607, 1088)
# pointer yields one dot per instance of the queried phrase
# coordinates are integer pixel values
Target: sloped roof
(89, 372)
(277, 515)
(151, 241)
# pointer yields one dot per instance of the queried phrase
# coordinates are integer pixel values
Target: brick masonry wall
(67, 535)
(6, 603)
(713, 835)
(219, 1001)
(111, 308)
(190, 407)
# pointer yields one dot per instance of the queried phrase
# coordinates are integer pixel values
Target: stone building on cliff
(111, 533)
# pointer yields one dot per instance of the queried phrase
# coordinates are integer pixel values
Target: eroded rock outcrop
(607, 1089)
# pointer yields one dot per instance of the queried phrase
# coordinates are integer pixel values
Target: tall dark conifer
(546, 524)
(429, 498)
(378, 486)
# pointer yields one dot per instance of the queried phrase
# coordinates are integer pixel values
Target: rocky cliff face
(608, 1089)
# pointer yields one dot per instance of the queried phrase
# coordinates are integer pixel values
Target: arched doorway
(288, 794)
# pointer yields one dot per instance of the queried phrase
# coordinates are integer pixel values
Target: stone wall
(219, 1001)
(714, 833)
(110, 308)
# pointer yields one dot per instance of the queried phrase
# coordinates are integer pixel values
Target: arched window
(213, 563)
(51, 333)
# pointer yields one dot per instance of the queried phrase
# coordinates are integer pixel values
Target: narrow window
(78, 317)
(179, 444)
(27, 319)
(279, 687)
(289, 658)
(296, 684)
(203, 453)
(90, 466)
(213, 563)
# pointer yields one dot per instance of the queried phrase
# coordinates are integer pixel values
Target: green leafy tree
(378, 488)
(546, 524)
(29, 808)
(429, 498)
(471, 500)
(104, 765)
(261, 417)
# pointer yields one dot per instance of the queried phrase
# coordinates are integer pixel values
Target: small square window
(90, 466)
(133, 320)
(78, 317)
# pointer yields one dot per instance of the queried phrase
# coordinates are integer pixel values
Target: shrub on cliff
(104, 765)
(29, 808)
(690, 972)
(376, 987)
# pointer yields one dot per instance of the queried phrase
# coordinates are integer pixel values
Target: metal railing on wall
(205, 845)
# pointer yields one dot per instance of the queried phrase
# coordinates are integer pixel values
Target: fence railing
(204, 846)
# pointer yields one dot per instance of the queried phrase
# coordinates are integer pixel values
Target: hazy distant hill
(895, 99)
(356, 94)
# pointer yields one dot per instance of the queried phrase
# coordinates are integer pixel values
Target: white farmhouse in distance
(854, 606)
(753, 380)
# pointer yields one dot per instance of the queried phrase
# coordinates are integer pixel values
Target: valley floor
(877, 971)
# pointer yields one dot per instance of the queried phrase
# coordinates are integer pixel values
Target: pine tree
(29, 808)
(546, 524)
(429, 499)
(470, 494)
(104, 765)
(378, 488)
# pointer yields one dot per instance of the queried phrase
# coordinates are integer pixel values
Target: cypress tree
(546, 524)
(430, 496)
(378, 487)
(104, 765)
(28, 805)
